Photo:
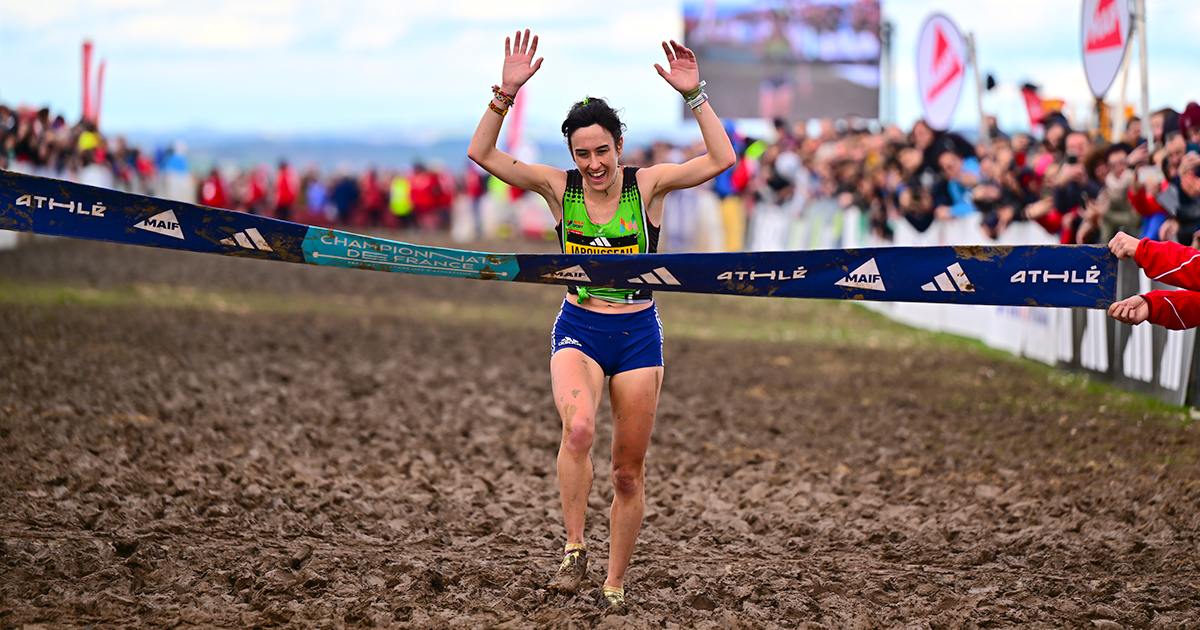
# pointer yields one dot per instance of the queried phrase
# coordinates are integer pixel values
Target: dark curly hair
(592, 111)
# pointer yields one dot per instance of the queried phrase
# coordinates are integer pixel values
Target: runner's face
(596, 156)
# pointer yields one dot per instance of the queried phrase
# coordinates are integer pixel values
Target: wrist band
(693, 93)
(493, 107)
(697, 101)
(504, 97)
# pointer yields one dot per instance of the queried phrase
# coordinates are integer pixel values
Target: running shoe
(570, 572)
(611, 597)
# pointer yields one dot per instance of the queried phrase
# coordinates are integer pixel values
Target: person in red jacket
(1164, 261)
(212, 191)
(286, 186)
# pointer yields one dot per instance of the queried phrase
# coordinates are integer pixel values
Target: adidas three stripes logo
(250, 239)
(658, 276)
(942, 282)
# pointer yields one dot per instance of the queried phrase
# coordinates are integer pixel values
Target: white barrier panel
(1006, 328)
(1094, 353)
(1041, 331)
(769, 229)
(1138, 360)
(692, 222)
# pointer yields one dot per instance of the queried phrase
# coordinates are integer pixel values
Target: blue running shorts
(619, 342)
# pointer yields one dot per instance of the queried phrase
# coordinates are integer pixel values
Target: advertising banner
(789, 60)
(1045, 275)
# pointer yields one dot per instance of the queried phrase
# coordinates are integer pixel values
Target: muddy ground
(189, 440)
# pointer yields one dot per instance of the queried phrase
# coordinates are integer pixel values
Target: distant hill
(356, 154)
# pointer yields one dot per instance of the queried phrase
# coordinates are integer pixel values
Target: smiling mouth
(597, 177)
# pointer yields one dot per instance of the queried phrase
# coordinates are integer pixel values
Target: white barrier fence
(1146, 358)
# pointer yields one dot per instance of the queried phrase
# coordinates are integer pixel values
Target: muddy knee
(628, 480)
(578, 432)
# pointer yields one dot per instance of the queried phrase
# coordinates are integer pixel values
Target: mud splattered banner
(1035, 275)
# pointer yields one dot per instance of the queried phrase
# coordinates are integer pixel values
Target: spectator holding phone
(1119, 216)
(1181, 197)
(953, 194)
(912, 195)
(1063, 211)
(1144, 188)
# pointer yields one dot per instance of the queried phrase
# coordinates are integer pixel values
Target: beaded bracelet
(505, 98)
(502, 112)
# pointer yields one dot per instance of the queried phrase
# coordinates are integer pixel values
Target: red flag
(1033, 103)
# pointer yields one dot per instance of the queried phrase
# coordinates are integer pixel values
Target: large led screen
(787, 59)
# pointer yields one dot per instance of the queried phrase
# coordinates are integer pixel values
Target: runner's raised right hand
(519, 65)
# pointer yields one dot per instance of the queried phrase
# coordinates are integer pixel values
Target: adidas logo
(162, 223)
(569, 341)
(865, 277)
(942, 281)
(574, 273)
(250, 239)
(658, 276)
(600, 241)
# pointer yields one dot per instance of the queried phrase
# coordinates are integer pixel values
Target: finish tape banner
(1033, 275)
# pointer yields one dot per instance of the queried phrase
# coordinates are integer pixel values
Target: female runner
(602, 207)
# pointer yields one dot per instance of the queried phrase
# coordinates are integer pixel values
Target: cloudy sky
(425, 68)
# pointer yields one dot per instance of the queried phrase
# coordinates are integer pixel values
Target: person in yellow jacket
(400, 200)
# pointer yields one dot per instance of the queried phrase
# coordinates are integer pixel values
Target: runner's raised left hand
(684, 75)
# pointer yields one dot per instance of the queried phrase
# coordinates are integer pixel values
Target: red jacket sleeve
(1169, 262)
(1145, 203)
(1052, 221)
(1177, 310)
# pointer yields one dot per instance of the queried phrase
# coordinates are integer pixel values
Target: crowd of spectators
(1068, 180)
(34, 142)
(418, 197)
(1075, 184)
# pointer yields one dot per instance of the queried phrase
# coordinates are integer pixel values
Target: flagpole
(1118, 120)
(983, 129)
(99, 95)
(1139, 22)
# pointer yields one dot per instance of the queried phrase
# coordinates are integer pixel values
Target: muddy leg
(576, 382)
(635, 401)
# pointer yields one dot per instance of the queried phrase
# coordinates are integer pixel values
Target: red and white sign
(941, 66)
(1104, 38)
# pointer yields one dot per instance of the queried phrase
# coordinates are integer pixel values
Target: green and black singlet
(629, 232)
